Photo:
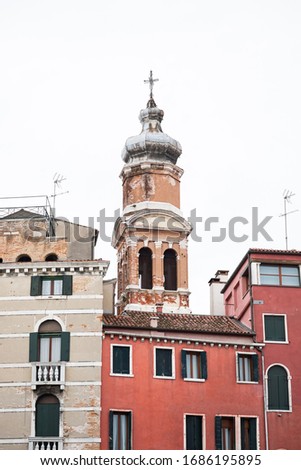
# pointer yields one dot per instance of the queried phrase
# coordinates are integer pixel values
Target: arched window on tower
(278, 391)
(145, 268)
(170, 270)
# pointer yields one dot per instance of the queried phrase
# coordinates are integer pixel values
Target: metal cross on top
(151, 81)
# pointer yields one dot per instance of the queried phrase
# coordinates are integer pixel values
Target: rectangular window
(121, 360)
(120, 430)
(194, 432)
(225, 433)
(279, 275)
(274, 328)
(194, 364)
(164, 363)
(247, 368)
(248, 433)
(51, 285)
(49, 348)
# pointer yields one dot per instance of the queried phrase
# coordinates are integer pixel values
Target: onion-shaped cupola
(152, 143)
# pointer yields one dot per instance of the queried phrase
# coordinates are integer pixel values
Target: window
(50, 344)
(120, 430)
(224, 433)
(170, 270)
(164, 363)
(247, 368)
(145, 268)
(47, 418)
(120, 360)
(23, 259)
(51, 257)
(278, 394)
(194, 432)
(274, 275)
(248, 433)
(194, 365)
(51, 285)
(274, 328)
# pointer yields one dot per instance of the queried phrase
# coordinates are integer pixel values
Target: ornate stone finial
(151, 102)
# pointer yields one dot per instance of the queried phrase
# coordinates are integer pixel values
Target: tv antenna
(57, 180)
(287, 195)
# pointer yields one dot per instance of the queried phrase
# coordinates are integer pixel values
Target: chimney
(159, 307)
(154, 322)
(216, 298)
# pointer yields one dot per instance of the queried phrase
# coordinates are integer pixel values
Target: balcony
(48, 373)
(45, 443)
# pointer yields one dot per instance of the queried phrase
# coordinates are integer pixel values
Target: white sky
(71, 88)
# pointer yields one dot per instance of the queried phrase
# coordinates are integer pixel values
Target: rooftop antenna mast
(57, 180)
(287, 194)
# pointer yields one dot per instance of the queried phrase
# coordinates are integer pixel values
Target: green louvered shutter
(67, 285)
(111, 430)
(253, 433)
(36, 285)
(183, 364)
(218, 433)
(33, 347)
(65, 346)
(204, 365)
(255, 368)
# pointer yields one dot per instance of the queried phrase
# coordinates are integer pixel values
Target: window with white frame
(121, 359)
(51, 285)
(275, 328)
(120, 430)
(238, 432)
(279, 275)
(194, 364)
(164, 363)
(193, 432)
(278, 389)
(247, 367)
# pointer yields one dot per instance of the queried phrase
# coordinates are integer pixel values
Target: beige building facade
(51, 306)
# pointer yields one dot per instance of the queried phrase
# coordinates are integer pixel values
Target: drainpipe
(265, 402)
(266, 432)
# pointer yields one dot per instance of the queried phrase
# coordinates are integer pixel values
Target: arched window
(47, 417)
(278, 395)
(50, 344)
(170, 270)
(51, 257)
(49, 341)
(23, 259)
(145, 268)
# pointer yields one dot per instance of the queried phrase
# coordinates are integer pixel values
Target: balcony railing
(48, 373)
(45, 443)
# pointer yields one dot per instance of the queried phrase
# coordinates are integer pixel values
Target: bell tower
(151, 236)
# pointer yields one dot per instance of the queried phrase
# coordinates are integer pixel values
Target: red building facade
(264, 293)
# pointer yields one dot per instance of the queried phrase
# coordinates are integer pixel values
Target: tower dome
(152, 143)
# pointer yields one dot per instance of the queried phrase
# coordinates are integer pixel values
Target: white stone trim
(152, 205)
(82, 311)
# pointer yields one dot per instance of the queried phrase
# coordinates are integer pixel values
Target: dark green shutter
(193, 433)
(47, 419)
(33, 347)
(111, 413)
(183, 364)
(274, 328)
(67, 285)
(65, 346)
(253, 433)
(164, 362)
(277, 389)
(121, 360)
(204, 365)
(218, 433)
(129, 431)
(36, 285)
(255, 368)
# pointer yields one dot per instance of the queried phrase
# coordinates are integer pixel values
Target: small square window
(121, 360)
(247, 368)
(194, 365)
(274, 328)
(164, 367)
